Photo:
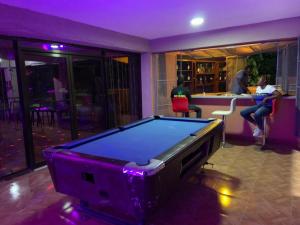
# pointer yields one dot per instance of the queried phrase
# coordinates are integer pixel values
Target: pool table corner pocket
(153, 167)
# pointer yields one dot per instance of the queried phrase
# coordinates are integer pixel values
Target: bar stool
(180, 105)
(224, 113)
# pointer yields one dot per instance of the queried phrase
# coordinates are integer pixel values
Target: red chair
(180, 105)
(275, 103)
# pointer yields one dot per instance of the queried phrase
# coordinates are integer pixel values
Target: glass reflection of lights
(69, 210)
(14, 190)
(68, 221)
(66, 205)
(225, 197)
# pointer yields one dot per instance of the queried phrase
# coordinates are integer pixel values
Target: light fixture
(197, 21)
(54, 46)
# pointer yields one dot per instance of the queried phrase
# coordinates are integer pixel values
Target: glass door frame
(28, 137)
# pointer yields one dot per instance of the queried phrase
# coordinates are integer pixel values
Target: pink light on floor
(50, 187)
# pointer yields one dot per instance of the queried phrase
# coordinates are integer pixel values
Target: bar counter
(281, 125)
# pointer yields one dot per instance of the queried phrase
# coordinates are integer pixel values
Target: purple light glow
(48, 47)
(75, 214)
(45, 47)
(134, 172)
(51, 91)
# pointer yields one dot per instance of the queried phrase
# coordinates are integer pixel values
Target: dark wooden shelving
(210, 72)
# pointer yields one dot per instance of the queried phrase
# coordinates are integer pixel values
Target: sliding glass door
(90, 95)
(47, 87)
(12, 148)
(53, 93)
(123, 88)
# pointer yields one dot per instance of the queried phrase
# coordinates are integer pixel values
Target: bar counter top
(227, 95)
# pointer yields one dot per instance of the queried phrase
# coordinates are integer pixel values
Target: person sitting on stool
(184, 91)
(265, 93)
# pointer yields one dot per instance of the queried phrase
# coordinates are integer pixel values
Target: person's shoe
(257, 132)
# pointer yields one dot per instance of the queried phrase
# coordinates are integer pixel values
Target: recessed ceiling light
(197, 21)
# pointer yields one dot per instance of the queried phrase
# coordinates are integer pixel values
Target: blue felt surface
(141, 143)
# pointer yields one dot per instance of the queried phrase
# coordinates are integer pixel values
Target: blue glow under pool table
(127, 172)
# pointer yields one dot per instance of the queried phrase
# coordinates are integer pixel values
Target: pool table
(127, 172)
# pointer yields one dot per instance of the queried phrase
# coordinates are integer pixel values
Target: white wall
(281, 29)
(147, 84)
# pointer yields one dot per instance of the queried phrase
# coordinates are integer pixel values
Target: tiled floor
(12, 150)
(245, 187)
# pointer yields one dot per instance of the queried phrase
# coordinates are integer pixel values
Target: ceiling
(237, 50)
(153, 19)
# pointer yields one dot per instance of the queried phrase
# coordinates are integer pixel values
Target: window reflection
(89, 96)
(12, 151)
(122, 81)
(48, 101)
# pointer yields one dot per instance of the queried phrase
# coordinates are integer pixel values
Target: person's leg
(246, 113)
(197, 109)
(259, 115)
